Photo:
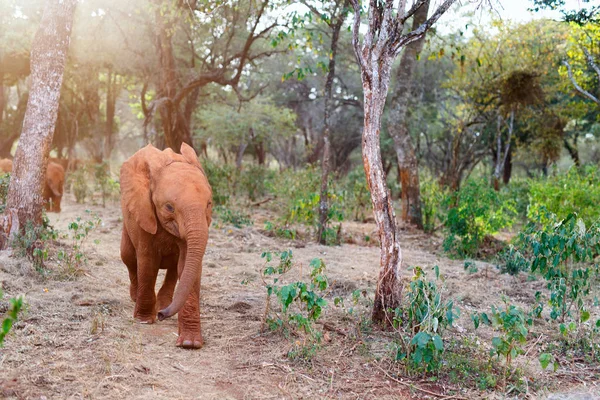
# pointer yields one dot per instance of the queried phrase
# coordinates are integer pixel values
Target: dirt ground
(77, 338)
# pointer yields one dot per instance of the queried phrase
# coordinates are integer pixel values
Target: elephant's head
(162, 187)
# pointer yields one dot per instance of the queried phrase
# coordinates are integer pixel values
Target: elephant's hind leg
(165, 294)
(130, 260)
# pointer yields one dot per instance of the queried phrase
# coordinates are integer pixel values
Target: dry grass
(77, 339)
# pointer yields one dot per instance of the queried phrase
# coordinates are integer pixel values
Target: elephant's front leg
(190, 335)
(145, 304)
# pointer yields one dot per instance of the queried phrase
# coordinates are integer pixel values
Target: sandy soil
(77, 338)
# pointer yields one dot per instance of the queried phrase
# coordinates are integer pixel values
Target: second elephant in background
(53, 187)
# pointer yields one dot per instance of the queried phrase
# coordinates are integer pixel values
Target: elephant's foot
(146, 319)
(190, 340)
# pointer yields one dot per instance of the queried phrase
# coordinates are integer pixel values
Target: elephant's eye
(169, 207)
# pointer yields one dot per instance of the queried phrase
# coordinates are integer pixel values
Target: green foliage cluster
(33, 242)
(15, 306)
(432, 198)
(236, 218)
(296, 305)
(577, 191)
(421, 322)
(88, 178)
(563, 252)
(475, 211)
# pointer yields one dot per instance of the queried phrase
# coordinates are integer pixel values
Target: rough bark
(48, 56)
(382, 43)
(408, 165)
(336, 26)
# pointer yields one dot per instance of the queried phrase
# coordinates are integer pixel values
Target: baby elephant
(53, 187)
(167, 206)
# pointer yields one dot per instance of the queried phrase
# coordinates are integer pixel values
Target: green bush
(475, 211)
(564, 194)
(357, 197)
(221, 179)
(108, 186)
(432, 197)
(32, 243)
(519, 191)
(564, 252)
(234, 217)
(297, 198)
(421, 322)
(78, 180)
(253, 181)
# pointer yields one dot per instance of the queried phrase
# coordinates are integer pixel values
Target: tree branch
(576, 85)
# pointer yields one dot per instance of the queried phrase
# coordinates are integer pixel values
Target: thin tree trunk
(507, 167)
(408, 165)
(48, 56)
(325, 161)
(500, 158)
(111, 99)
(573, 151)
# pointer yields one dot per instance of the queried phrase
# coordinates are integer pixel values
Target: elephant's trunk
(196, 239)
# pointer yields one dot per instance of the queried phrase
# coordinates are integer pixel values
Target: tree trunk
(408, 165)
(507, 167)
(173, 121)
(2, 97)
(48, 55)
(111, 99)
(387, 294)
(336, 26)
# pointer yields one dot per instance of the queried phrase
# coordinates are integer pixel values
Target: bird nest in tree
(521, 87)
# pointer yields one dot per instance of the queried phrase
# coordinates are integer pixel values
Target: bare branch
(421, 30)
(410, 12)
(355, 35)
(576, 85)
(591, 62)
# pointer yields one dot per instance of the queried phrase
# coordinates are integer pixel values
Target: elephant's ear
(190, 155)
(136, 196)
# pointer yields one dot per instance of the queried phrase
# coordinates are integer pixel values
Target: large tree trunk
(336, 26)
(175, 128)
(408, 165)
(48, 56)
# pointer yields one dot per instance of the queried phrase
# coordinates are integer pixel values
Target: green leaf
(437, 342)
(545, 359)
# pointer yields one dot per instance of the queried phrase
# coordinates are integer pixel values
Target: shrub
(79, 183)
(109, 188)
(511, 322)
(234, 217)
(476, 211)
(32, 243)
(565, 194)
(564, 253)
(432, 197)
(254, 180)
(357, 195)
(298, 305)
(421, 322)
(221, 179)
